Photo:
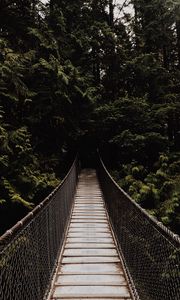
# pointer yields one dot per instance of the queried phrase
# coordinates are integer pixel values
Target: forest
(90, 74)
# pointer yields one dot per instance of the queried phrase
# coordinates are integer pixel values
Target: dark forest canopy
(92, 74)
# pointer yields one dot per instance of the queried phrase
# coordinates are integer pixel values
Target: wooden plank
(100, 205)
(89, 229)
(76, 209)
(84, 298)
(89, 225)
(89, 240)
(89, 205)
(87, 195)
(87, 213)
(90, 280)
(101, 268)
(89, 202)
(88, 233)
(86, 206)
(92, 218)
(91, 291)
(90, 252)
(90, 259)
(89, 246)
(88, 220)
(90, 198)
(88, 209)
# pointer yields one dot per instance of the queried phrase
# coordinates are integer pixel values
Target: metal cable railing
(151, 252)
(29, 250)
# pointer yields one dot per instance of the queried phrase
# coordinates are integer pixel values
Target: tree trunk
(165, 57)
(96, 66)
(136, 25)
(178, 41)
(51, 6)
(111, 13)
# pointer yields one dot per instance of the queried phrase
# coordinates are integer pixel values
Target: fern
(45, 64)
(62, 75)
(45, 38)
(2, 201)
(4, 161)
(10, 96)
(4, 141)
(14, 195)
(1, 112)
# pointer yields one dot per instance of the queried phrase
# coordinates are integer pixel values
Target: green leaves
(14, 195)
(69, 71)
(45, 38)
(62, 76)
(4, 161)
(157, 191)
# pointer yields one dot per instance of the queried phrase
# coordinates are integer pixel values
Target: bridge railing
(151, 252)
(29, 250)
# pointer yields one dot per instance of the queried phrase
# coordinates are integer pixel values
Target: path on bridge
(89, 266)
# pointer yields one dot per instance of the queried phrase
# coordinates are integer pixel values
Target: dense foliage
(90, 73)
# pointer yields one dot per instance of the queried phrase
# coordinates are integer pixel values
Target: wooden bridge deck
(89, 266)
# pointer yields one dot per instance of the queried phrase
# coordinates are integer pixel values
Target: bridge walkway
(89, 265)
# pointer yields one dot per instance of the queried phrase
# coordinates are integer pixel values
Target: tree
(78, 73)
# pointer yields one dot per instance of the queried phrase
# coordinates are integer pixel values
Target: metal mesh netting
(29, 253)
(151, 252)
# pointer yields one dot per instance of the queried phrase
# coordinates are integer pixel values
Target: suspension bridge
(89, 240)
